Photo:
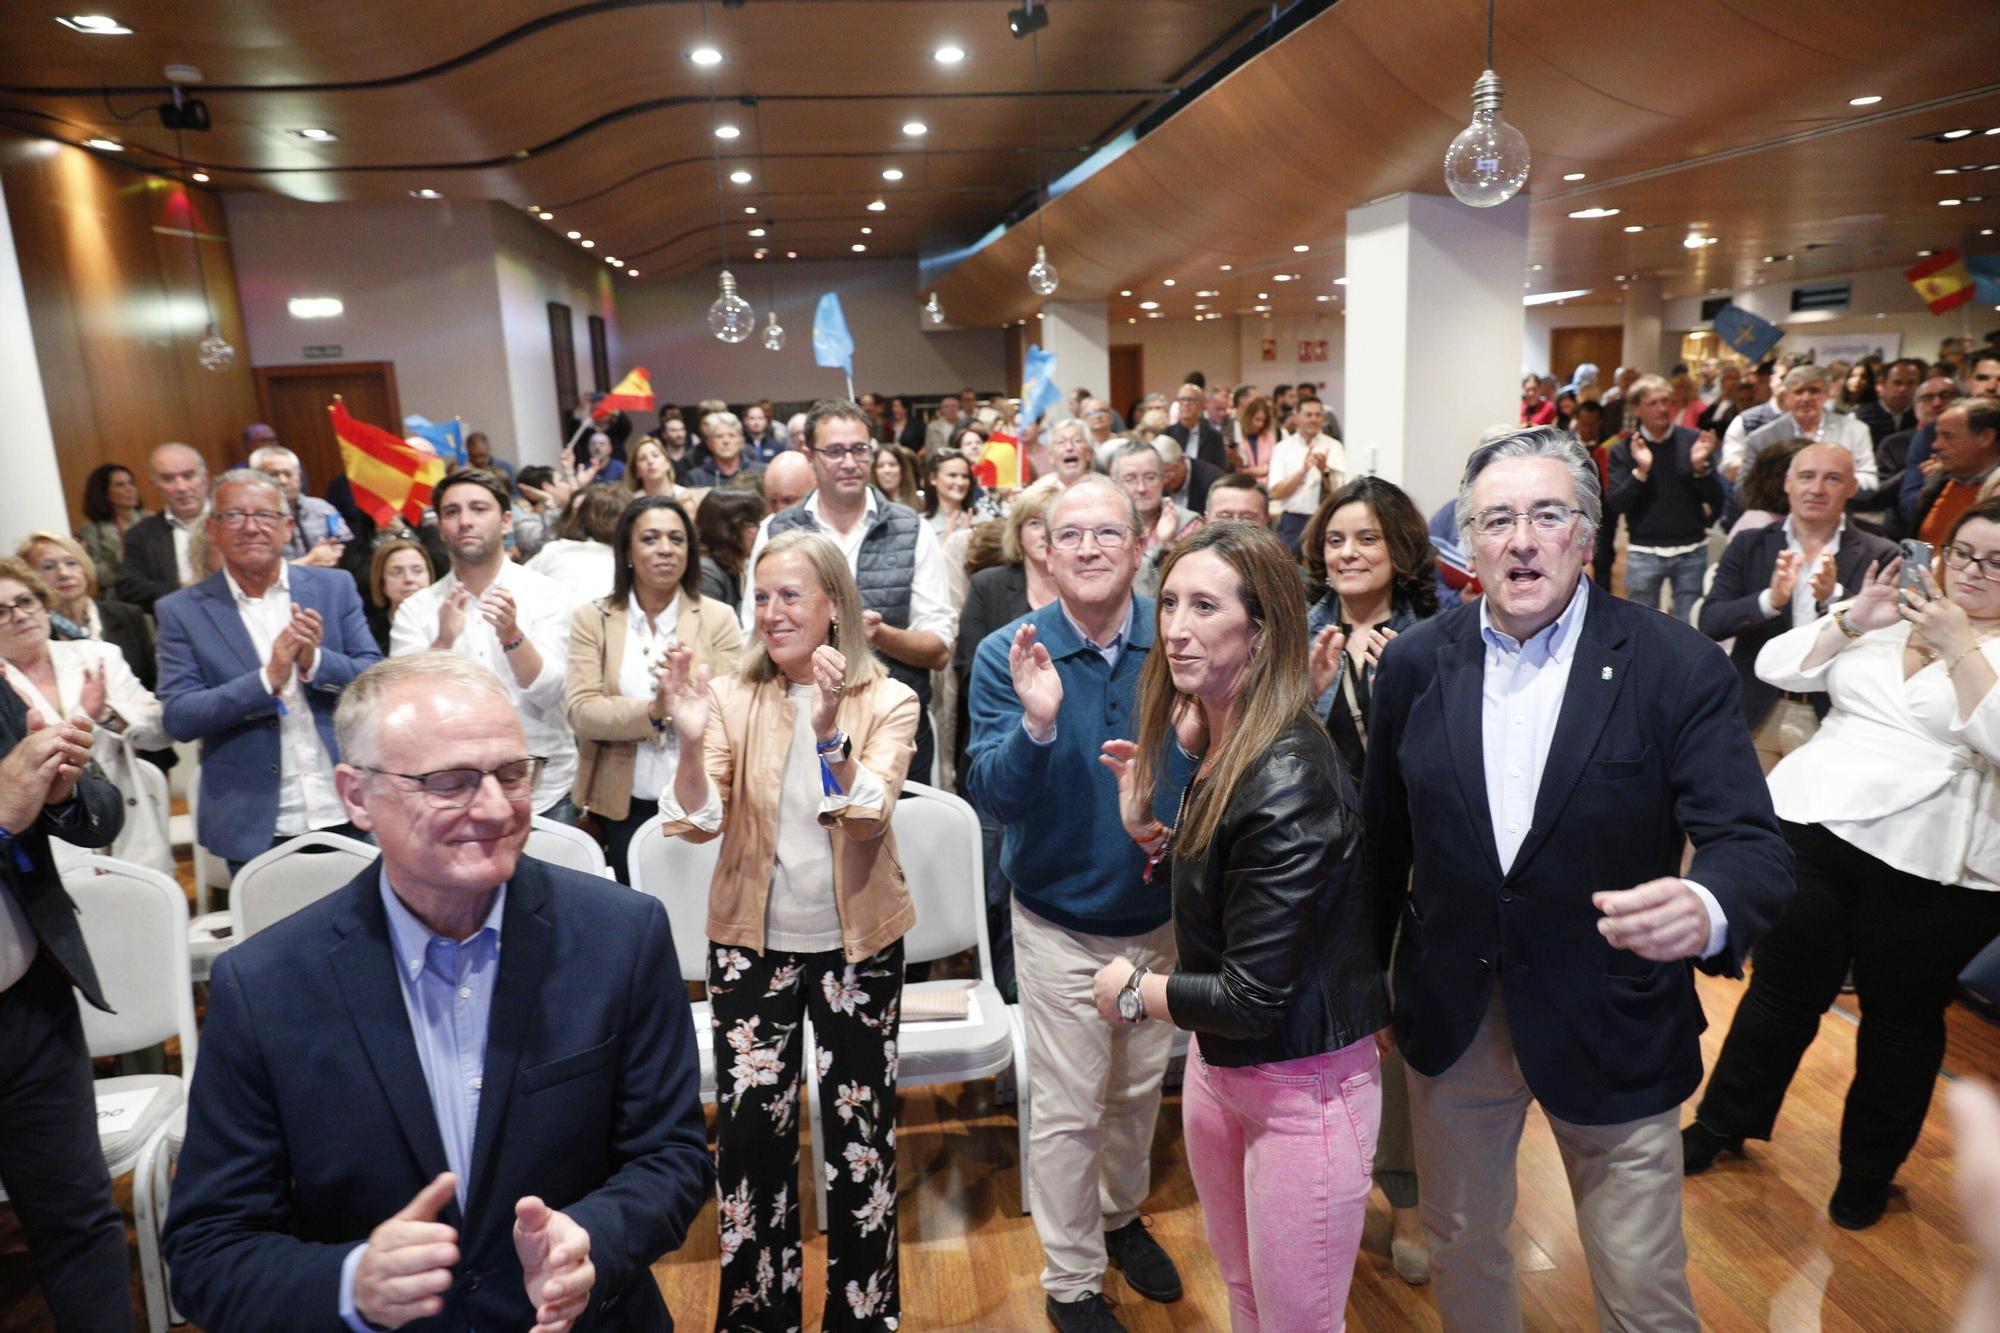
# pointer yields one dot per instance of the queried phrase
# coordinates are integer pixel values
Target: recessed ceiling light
(317, 135)
(878, 206)
(1869, 100)
(1534, 268)
(1574, 176)
(1149, 305)
(727, 132)
(1954, 134)
(1263, 296)
(613, 260)
(1260, 308)
(574, 235)
(756, 231)
(95, 25)
(1950, 203)
(1131, 319)
(915, 129)
(546, 216)
(759, 254)
(858, 248)
(1281, 277)
(199, 178)
(867, 231)
(791, 254)
(740, 177)
(1925, 254)
(1944, 171)
(1124, 291)
(1225, 267)
(1300, 249)
(1322, 298)
(1995, 130)
(631, 272)
(1595, 213)
(948, 55)
(104, 145)
(314, 307)
(1167, 283)
(1986, 231)
(588, 245)
(893, 174)
(749, 208)
(705, 55)
(1340, 282)
(1634, 229)
(1201, 305)
(425, 193)
(1208, 291)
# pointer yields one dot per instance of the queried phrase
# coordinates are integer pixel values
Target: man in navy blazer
(1773, 578)
(252, 661)
(397, 1123)
(1536, 764)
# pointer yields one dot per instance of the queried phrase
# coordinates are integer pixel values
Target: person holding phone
(1894, 819)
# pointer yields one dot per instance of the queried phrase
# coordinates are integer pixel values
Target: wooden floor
(1763, 1255)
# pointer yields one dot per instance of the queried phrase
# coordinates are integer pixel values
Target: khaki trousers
(1625, 1180)
(1784, 729)
(1096, 1090)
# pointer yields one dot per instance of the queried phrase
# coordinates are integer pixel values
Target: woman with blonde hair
(76, 608)
(1278, 977)
(797, 759)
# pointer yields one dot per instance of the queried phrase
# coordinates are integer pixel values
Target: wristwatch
(1131, 1005)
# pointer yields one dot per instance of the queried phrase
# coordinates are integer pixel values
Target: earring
(833, 629)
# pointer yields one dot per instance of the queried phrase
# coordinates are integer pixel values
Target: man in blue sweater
(1047, 691)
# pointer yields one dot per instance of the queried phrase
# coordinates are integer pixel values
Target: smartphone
(1917, 559)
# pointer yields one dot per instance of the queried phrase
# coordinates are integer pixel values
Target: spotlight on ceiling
(1030, 17)
(94, 25)
(740, 177)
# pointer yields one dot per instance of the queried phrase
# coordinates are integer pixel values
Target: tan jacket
(609, 724)
(749, 734)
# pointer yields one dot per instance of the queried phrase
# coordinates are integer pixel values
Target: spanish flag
(388, 476)
(633, 394)
(999, 465)
(1942, 281)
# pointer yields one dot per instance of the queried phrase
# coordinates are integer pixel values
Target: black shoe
(1086, 1314)
(1700, 1146)
(1147, 1269)
(1857, 1202)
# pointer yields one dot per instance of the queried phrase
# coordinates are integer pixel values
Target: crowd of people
(1255, 746)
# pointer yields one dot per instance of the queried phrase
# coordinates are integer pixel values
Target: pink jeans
(1281, 1154)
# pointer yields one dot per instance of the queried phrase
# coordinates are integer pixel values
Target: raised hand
(1704, 449)
(1371, 651)
(1323, 664)
(406, 1269)
(1642, 454)
(830, 680)
(1825, 578)
(1784, 578)
(1939, 621)
(90, 700)
(457, 605)
(684, 693)
(497, 605)
(1036, 683)
(1135, 812)
(75, 729)
(32, 767)
(555, 1264)
(284, 657)
(871, 623)
(1662, 920)
(1879, 604)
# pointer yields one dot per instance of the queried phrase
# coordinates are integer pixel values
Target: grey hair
(714, 419)
(1169, 450)
(1536, 442)
(176, 444)
(357, 715)
(1068, 423)
(1131, 449)
(1805, 374)
(274, 451)
(1092, 481)
(248, 476)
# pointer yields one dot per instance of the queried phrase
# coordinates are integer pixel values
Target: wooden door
(294, 399)
(1128, 375)
(1570, 348)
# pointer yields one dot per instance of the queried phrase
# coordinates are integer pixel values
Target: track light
(1030, 17)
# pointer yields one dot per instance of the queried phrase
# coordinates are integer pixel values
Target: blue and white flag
(448, 439)
(1746, 335)
(1038, 384)
(833, 346)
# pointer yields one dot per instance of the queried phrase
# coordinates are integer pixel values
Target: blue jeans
(1644, 574)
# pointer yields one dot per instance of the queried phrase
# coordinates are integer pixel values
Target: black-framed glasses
(833, 453)
(25, 604)
(1960, 556)
(456, 788)
(263, 518)
(1109, 537)
(1546, 520)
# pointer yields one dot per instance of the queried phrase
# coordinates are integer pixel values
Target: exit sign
(323, 352)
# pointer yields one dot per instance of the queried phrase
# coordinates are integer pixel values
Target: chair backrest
(562, 845)
(678, 873)
(944, 863)
(135, 922)
(288, 877)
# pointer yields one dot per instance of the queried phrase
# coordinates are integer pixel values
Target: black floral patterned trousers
(761, 1002)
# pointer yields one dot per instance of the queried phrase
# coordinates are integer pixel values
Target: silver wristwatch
(1131, 1006)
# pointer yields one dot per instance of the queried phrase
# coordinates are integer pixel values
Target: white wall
(665, 329)
(533, 267)
(1542, 320)
(1287, 332)
(1173, 347)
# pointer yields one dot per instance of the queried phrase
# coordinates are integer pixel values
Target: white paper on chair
(119, 1111)
(971, 1019)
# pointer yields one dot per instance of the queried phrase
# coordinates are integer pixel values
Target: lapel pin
(1607, 673)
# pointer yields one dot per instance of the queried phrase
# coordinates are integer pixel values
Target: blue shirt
(448, 994)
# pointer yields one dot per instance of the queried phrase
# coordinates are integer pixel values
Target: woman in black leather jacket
(1278, 977)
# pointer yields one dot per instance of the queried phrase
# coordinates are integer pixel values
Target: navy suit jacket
(1649, 750)
(150, 570)
(212, 689)
(1730, 609)
(310, 1122)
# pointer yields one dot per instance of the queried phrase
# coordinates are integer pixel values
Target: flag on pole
(387, 475)
(1746, 335)
(833, 346)
(998, 466)
(1942, 281)
(634, 393)
(1038, 384)
(1985, 271)
(448, 438)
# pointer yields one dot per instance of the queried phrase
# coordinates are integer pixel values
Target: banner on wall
(1270, 350)
(1827, 348)
(1311, 350)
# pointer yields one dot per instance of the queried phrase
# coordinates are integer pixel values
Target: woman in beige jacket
(797, 760)
(617, 647)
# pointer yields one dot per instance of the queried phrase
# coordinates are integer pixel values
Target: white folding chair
(944, 863)
(134, 920)
(562, 845)
(294, 874)
(678, 873)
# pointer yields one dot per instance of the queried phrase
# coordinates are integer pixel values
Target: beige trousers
(1785, 728)
(1096, 1090)
(1625, 1180)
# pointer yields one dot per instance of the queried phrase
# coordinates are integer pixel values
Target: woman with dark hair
(618, 645)
(397, 569)
(1257, 423)
(1278, 978)
(909, 432)
(1856, 387)
(583, 555)
(894, 473)
(727, 523)
(111, 503)
(1565, 411)
(950, 493)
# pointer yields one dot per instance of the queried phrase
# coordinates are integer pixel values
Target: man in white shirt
(894, 554)
(1306, 467)
(1806, 417)
(504, 616)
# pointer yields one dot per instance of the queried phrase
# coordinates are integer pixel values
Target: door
(1570, 348)
(294, 399)
(1128, 376)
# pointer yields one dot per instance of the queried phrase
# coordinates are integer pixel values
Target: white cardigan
(1894, 770)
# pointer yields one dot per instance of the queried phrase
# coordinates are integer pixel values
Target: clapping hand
(406, 1268)
(1036, 683)
(1662, 920)
(41, 769)
(1324, 662)
(871, 621)
(555, 1264)
(457, 605)
(830, 680)
(1135, 812)
(683, 693)
(90, 701)
(1784, 578)
(1703, 450)
(1879, 604)
(497, 605)
(1372, 650)
(1642, 454)
(1825, 578)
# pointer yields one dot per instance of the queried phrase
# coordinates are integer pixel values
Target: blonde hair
(15, 568)
(1029, 506)
(28, 544)
(848, 634)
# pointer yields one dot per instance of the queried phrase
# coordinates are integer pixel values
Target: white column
(1434, 329)
(33, 496)
(1645, 310)
(1079, 333)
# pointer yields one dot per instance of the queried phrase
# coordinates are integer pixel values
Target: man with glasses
(156, 547)
(1894, 453)
(319, 533)
(1194, 433)
(393, 1124)
(1098, 420)
(1537, 764)
(508, 618)
(252, 661)
(1047, 692)
(905, 589)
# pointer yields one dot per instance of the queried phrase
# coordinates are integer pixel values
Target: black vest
(884, 569)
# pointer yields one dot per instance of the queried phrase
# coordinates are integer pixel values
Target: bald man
(1197, 436)
(788, 480)
(156, 548)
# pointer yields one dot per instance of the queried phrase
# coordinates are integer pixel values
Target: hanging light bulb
(934, 310)
(1487, 163)
(731, 318)
(214, 351)
(1042, 278)
(774, 335)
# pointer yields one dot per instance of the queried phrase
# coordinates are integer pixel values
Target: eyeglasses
(834, 453)
(1109, 537)
(25, 604)
(1960, 556)
(1547, 520)
(239, 518)
(1938, 396)
(456, 788)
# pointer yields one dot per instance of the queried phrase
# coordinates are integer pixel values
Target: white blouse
(654, 761)
(1893, 770)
